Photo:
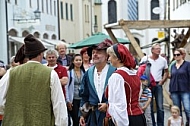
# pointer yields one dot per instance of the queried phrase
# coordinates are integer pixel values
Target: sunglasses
(177, 54)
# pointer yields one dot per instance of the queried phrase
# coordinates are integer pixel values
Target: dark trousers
(137, 120)
(74, 113)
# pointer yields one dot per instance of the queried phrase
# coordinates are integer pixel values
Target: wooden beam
(184, 42)
(112, 36)
(133, 41)
(145, 24)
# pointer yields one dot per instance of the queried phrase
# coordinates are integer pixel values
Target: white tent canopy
(21, 40)
(54, 42)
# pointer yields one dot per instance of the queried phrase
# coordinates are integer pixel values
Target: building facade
(150, 10)
(3, 33)
(121, 13)
(75, 18)
(37, 17)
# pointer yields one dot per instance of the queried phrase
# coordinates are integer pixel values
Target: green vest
(28, 100)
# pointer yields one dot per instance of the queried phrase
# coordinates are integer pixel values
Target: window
(181, 2)
(95, 20)
(98, 2)
(38, 4)
(45, 36)
(50, 7)
(86, 13)
(47, 6)
(13, 32)
(53, 36)
(30, 3)
(37, 35)
(16, 2)
(112, 10)
(176, 4)
(54, 8)
(61, 10)
(25, 33)
(71, 12)
(66, 9)
(42, 5)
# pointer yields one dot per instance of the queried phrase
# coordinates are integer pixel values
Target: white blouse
(117, 98)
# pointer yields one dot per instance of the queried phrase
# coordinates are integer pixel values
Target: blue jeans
(157, 92)
(184, 98)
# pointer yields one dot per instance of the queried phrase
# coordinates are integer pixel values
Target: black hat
(32, 45)
(101, 46)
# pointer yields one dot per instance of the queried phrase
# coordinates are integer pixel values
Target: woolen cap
(33, 46)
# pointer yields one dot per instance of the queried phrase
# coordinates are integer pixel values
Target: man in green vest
(31, 93)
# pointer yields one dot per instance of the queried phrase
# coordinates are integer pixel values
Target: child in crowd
(175, 119)
(145, 99)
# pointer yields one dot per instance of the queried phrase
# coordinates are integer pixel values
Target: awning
(16, 39)
(54, 42)
(21, 40)
(95, 39)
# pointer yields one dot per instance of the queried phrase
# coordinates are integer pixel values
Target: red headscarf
(125, 56)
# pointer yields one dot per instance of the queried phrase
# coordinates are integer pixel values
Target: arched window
(37, 34)
(53, 36)
(13, 32)
(112, 11)
(25, 33)
(45, 36)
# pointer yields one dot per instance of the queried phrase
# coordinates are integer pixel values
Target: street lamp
(95, 28)
(37, 14)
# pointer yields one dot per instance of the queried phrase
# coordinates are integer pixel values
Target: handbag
(85, 109)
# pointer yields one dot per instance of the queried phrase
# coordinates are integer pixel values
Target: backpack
(70, 80)
(144, 69)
